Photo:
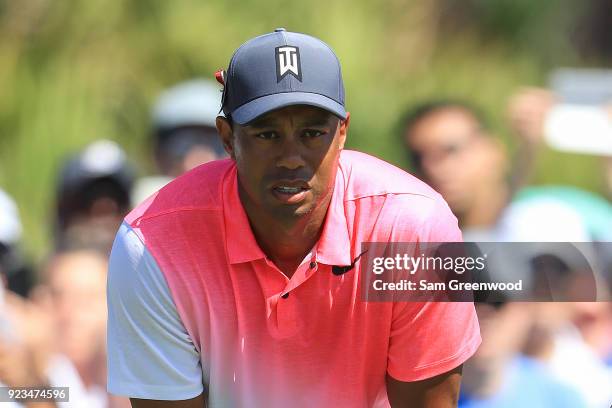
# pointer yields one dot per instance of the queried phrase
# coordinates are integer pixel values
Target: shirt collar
(239, 239)
(333, 247)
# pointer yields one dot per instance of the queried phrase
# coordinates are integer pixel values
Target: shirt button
(313, 265)
(285, 296)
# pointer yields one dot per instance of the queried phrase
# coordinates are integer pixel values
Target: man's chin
(292, 211)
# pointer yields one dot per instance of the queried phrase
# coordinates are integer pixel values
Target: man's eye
(311, 133)
(266, 135)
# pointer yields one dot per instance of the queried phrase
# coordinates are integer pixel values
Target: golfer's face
(287, 159)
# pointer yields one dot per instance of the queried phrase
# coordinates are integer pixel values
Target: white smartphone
(582, 121)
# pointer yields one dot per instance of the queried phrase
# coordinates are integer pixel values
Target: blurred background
(101, 103)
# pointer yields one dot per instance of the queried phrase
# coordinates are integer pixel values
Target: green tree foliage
(75, 71)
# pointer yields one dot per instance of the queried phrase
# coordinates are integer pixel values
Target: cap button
(278, 30)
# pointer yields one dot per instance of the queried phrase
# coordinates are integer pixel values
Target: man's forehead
(296, 113)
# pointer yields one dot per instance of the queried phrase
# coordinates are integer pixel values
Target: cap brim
(260, 106)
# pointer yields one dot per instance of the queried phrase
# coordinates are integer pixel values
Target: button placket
(286, 317)
(303, 274)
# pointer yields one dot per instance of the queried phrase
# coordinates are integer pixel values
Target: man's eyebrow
(310, 120)
(264, 122)
(316, 121)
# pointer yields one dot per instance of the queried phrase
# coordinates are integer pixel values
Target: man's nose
(290, 156)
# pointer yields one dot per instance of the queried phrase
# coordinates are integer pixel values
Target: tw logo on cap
(288, 62)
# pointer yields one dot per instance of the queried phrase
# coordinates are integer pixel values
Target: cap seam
(241, 46)
(232, 65)
(279, 93)
(338, 63)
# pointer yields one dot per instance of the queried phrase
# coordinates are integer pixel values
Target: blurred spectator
(93, 197)
(576, 336)
(541, 220)
(527, 114)
(184, 132)
(521, 361)
(581, 346)
(24, 351)
(18, 275)
(594, 211)
(527, 110)
(73, 294)
(510, 368)
(59, 338)
(452, 150)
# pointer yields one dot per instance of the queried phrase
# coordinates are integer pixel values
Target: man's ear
(342, 132)
(225, 131)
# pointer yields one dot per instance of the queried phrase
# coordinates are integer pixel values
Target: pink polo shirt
(196, 306)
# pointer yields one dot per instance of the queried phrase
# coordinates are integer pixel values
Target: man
(451, 151)
(22, 346)
(238, 282)
(93, 196)
(73, 295)
(183, 133)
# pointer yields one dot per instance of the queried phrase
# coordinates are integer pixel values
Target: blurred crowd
(553, 354)
(53, 315)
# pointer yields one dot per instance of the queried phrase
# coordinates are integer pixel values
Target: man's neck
(287, 241)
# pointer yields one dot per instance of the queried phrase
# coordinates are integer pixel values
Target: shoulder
(130, 261)
(365, 176)
(150, 353)
(200, 188)
(404, 207)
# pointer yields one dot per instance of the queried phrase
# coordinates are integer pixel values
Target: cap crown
(282, 62)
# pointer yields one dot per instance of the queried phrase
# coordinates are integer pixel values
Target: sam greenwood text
(454, 285)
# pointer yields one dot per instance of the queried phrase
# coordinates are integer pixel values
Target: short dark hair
(417, 112)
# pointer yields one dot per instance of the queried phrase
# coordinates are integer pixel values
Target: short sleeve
(431, 338)
(150, 354)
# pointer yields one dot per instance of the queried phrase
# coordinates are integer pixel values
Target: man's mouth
(290, 193)
(289, 190)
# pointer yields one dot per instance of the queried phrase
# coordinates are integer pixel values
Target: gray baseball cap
(280, 69)
(194, 102)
